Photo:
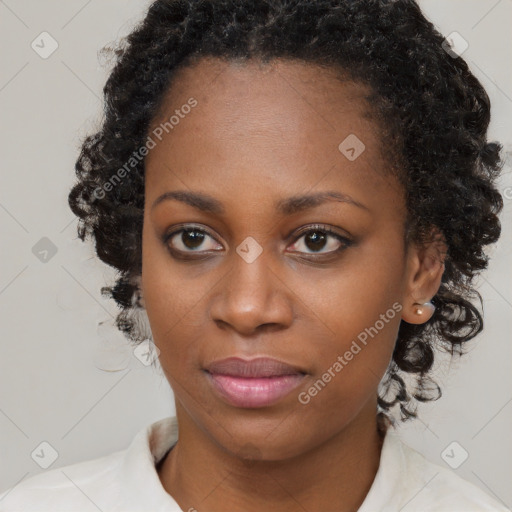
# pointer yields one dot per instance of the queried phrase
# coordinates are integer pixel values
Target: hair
(433, 112)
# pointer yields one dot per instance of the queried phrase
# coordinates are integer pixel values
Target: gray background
(51, 386)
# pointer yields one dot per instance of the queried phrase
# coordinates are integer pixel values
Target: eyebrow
(287, 206)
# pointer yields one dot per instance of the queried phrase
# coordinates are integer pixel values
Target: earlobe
(419, 313)
(426, 308)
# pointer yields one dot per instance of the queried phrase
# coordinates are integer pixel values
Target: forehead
(275, 95)
(282, 123)
(240, 78)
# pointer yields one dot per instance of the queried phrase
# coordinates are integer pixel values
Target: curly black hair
(432, 110)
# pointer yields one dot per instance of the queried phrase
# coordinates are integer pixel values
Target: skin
(260, 134)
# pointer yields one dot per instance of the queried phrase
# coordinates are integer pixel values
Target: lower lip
(254, 392)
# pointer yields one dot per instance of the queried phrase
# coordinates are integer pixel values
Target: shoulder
(430, 487)
(125, 480)
(84, 486)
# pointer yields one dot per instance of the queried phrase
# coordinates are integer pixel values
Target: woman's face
(254, 152)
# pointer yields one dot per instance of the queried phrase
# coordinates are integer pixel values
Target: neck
(336, 475)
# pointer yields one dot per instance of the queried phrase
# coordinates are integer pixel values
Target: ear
(424, 270)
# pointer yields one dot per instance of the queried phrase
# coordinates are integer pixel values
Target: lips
(259, 367)
(253, 383)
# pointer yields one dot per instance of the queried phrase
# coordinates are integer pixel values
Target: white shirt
(127, 481)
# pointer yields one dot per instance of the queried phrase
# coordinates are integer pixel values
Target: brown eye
(190, 240)
(317, 238)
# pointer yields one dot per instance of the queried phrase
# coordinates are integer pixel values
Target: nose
(252, 297)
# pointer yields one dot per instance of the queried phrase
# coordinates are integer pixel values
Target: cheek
(357, 311)
(351, 297)
(351, 360)
(172, 303)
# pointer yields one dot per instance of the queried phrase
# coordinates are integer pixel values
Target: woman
(297, 195)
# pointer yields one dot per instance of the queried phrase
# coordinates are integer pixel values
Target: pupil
(194, 237)
(317, 240)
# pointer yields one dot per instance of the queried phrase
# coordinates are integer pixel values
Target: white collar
(405, 480)
(142, 487)
(140, 482)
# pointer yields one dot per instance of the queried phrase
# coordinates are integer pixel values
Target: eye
(191, 239)
(184, 242)
(318, 237)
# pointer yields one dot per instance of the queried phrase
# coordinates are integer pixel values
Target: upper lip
(257, 367)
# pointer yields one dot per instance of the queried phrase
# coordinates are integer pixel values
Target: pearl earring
(420, 308)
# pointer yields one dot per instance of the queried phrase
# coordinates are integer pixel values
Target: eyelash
(185, 255)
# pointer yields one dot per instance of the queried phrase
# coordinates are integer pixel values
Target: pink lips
(253, 383)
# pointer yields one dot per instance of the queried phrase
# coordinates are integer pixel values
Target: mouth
(253, 383)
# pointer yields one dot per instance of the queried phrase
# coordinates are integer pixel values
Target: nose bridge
(251, 283)
(251, 295)
(251, 270)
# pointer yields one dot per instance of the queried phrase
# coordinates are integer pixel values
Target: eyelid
(321, 227)
(187, 226)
